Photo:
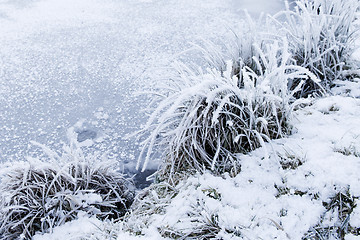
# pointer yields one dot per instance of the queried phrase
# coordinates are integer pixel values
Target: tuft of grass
(242, 48)
(203, 119)
(348, 151)
(289, 159)
(321, 37)
(38, 195)
(334, 224)
(150, 201)
(204, 226)
(348, 145)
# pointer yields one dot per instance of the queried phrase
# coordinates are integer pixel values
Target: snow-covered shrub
(38, 195)
(203, 120)
(320, 34)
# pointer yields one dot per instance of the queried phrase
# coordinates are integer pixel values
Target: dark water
(140, 178)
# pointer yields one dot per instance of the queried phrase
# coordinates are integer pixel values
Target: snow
(352, 237)
(72, 230)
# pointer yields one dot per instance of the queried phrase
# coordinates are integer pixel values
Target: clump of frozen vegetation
(38, 195)
(349, 144)
(205, 119)
(335, 222)
(321, 36)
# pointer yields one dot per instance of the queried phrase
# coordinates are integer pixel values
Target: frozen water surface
(78, 64)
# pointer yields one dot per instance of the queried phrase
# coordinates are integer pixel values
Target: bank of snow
(288, 193)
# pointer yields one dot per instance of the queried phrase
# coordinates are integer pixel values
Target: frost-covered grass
(38, 195)
(321, 36)
(207, 118)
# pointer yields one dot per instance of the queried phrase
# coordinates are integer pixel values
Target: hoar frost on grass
(321, 34)
(38, 195)
(206, 118)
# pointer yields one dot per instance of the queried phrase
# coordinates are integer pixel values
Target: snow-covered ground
(79, 64)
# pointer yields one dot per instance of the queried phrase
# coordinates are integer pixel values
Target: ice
(60, 61)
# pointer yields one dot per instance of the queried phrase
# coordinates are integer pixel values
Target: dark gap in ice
(140, 178)
(86, 134)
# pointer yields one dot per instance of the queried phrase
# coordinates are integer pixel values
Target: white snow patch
(75, 229)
